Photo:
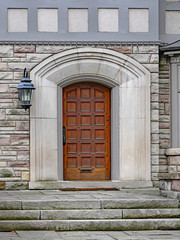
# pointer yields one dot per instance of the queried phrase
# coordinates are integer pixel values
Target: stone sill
(173, 152)
(168, 176)
(87, 184)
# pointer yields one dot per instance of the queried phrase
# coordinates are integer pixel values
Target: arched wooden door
(86, 132)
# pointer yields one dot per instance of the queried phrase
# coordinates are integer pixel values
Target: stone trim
(70, 64)
(81, 43)
(175, 59)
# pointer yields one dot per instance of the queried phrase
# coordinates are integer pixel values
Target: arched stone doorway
(130, 115)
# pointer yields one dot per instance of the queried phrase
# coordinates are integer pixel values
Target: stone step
(88, 214)
(20, 214)
(109, 214)
(139, 203)
(89, 184)
(92, 225)
(89, 204)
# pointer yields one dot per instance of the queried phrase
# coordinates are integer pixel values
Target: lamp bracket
(25, 72)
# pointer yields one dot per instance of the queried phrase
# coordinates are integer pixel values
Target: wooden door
(86, 121)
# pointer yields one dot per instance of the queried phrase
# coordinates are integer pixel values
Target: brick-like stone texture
(170, 181)
(123, 49)
(164, 113)
(14, 121)
(176, 185)
(24, 49)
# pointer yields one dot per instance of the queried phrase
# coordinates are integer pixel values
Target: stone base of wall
(14, 185)
(169, 183)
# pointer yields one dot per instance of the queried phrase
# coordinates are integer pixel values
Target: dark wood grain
(86, 116)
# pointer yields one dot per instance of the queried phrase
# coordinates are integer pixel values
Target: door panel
(86, 118)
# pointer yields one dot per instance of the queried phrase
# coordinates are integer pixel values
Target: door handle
(64, 136)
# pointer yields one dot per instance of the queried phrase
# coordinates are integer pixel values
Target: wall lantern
(25, 88)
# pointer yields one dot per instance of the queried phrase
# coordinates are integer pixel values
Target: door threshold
(89, 189)
(88, 185)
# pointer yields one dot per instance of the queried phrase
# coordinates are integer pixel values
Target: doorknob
(64, 136)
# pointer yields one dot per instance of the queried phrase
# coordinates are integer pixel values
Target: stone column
(169, 183)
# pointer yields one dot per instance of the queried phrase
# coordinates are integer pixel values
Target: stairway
(63, 212)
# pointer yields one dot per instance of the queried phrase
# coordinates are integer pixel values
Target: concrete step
(89, 204)
(92, 225)
(88, 214)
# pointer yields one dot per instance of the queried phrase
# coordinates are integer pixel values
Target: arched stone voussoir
(89, 61)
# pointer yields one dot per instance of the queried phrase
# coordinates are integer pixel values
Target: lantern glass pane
(20, 94)
(25, 96)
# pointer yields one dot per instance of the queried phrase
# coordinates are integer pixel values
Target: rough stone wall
(164, 111)
(14, 121)
(169, 183)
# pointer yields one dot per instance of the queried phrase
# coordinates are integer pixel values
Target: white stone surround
(116, 71)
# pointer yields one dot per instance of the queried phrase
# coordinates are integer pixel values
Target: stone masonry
(164, 112)
(170, 182)
(14, 121)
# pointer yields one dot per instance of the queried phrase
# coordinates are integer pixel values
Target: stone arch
(130, 84)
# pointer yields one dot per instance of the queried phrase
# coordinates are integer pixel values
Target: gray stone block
(145, 49)
(119, 225)
(33, 57)
(6, 172)
(19, 215)
(34, 225)
(140, 203)
(81, 214)
(92, 225)
(16, 185)
(152, 67)
(8, 205)
(169, 224)
(6, 51)
(6, 75)
(70, 204)
(115, 225)
(151, 213)
(45, 235)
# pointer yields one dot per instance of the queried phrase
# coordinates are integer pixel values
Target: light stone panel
(78, 20)
(47, 20)
(172, 22)
(108, 20)
(133, 115)
(138, 20)
(17, 20)
(46, 148)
